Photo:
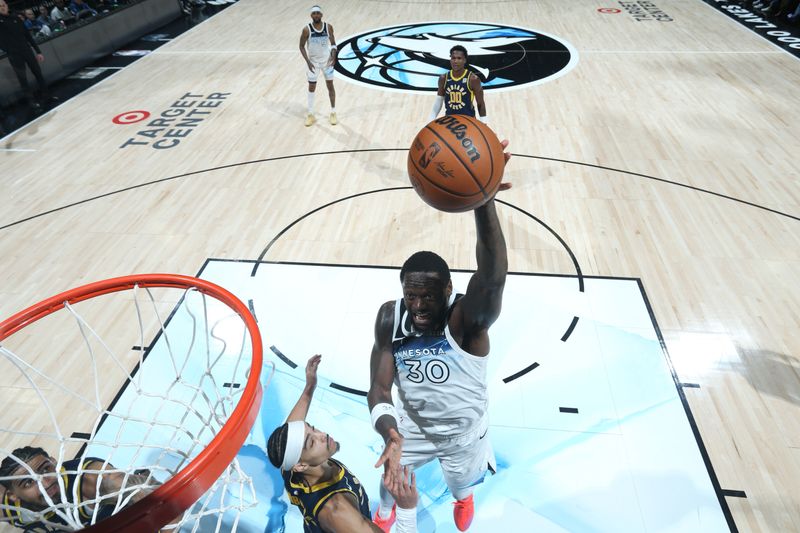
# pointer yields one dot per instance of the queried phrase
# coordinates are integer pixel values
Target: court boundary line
(737, 22)
(718, 490)
(689, 414)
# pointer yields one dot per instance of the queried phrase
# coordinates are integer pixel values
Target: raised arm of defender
(300, 409)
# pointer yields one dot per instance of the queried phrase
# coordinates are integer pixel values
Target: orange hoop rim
(183, 489)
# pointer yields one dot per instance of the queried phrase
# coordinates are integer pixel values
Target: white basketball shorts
(464, 458)
(326, 71)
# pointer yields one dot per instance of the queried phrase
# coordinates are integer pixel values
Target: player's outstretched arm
(111, 482)
(300, 409)
(340, 515)
(481, 304)
(437, 103)
(379, 398)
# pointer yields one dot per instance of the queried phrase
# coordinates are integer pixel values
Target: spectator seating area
(47, 18)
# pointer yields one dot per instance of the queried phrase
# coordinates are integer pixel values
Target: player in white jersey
(433, 345)
(320, 56)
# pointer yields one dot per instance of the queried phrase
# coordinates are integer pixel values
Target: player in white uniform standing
(320, 56)
(433, 345)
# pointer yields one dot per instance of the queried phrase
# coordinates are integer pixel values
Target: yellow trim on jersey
(18, 520)
(78, 482)
(336, 479)
(450, 73)
(296, 501)
(82, 509)
(466, 72)
(7, 511)
(327, 496)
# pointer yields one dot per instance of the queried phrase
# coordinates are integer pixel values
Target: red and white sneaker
(385, 523)
(463, 512)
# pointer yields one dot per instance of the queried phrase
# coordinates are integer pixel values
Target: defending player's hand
(402, 488)
(310, 66)
(311, 372)
(390, 458)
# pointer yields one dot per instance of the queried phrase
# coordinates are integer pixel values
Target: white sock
(333, 110)
(310, 102)
(406, 520)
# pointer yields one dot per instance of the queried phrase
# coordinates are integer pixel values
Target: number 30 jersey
(441, 387)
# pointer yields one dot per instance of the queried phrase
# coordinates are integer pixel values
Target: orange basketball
(456, 163)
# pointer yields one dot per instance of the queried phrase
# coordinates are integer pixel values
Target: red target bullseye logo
(130, 117)
(609, 10)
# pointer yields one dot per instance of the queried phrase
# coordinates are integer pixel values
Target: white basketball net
(176, 396)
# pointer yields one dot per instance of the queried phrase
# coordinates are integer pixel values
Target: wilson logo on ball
(459, 130)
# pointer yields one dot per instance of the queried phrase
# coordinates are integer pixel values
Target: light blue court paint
(628, 461)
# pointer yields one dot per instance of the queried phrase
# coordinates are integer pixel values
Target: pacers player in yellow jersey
(458, 88)
(327, 493)
(31, 491)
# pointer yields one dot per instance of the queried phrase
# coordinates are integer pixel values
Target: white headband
(314, 9)
(295, 438)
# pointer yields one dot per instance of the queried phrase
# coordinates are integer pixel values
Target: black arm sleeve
(32, 42)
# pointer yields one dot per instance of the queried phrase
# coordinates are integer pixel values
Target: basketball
(456, 163)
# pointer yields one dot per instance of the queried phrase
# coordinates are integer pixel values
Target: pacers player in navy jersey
(25, 506)
(328, 495)
(432, 344)
(320, 57)
(459, 88)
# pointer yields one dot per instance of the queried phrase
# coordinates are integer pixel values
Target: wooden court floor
(668, 153)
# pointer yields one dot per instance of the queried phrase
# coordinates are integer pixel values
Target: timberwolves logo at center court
(411, 57)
